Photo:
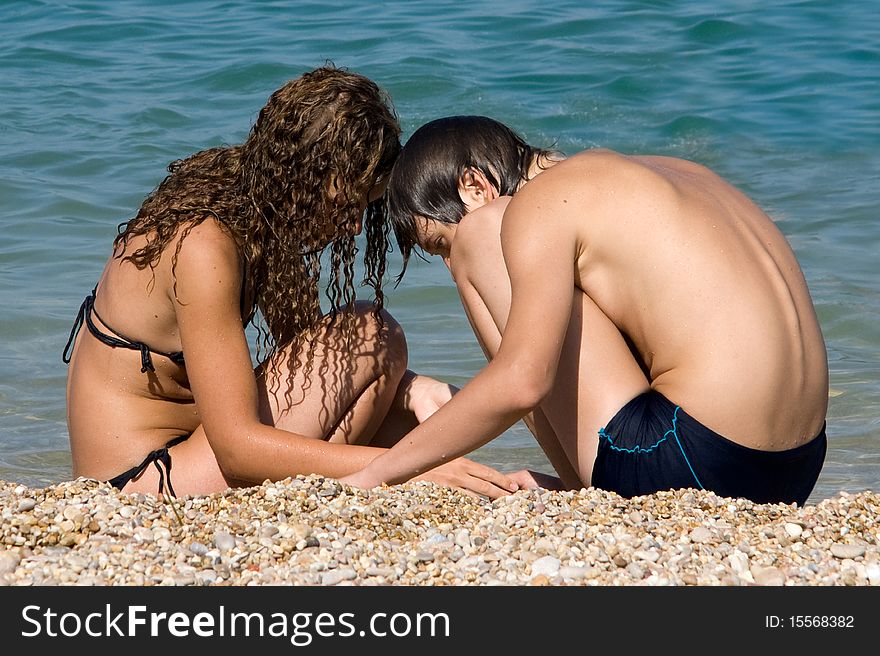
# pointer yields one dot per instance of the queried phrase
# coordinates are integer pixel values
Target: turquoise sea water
(96, 97)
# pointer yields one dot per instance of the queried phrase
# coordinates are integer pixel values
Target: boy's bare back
(695, 275)
(648, 321)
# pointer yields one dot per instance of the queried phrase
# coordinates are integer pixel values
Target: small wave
(716, 30)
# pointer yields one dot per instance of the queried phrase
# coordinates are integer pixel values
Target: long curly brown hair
(295, 189)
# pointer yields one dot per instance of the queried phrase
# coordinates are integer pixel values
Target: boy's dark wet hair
(424, 181)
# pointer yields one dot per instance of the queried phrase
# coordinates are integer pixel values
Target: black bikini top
(117, 339)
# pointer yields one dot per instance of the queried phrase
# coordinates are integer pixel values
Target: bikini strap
(86, 310)
(109, 340)
(77, 324)
(155, 457)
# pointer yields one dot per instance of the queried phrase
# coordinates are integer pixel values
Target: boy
(651, 321)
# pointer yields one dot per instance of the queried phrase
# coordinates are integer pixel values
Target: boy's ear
(474, 187)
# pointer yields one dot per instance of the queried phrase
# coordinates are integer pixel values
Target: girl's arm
(222, 380)
(221, 374)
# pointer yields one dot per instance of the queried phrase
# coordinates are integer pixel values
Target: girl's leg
(346, 394)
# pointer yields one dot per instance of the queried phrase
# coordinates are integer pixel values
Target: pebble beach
(315, 531)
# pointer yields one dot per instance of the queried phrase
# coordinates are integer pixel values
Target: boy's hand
(530, 480)
(470, 477)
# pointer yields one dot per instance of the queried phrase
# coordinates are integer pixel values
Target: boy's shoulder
(477, 233)
(481, 225)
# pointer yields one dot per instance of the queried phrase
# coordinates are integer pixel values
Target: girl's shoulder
(204, 254)
(205, 243)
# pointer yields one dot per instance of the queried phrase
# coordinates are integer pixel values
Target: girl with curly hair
(164, 372)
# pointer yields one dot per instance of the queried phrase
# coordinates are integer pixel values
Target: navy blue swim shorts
(652, 444)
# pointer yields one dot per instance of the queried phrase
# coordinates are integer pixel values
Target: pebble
(636, 571)
(574, 573)
(768, 576)
(335, 576)
(198, 548)
(650, 556)
(310, 530)
(701, 534)
(739, 563)
(9, 561)
(794, 530)
(872, 573)
(839, 550)
(223, 541)
(547, 565)
(26, 504)
(205, 577)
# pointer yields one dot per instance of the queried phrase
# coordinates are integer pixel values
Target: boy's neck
(542, 163)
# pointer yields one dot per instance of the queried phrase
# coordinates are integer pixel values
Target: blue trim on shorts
(638, 449)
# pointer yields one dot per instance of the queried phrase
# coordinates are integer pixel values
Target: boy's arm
(225, 388)
(539, 249)
(484, 288)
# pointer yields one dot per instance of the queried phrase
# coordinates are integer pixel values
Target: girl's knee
(379, 327)
(393, 336)
(393, 341)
